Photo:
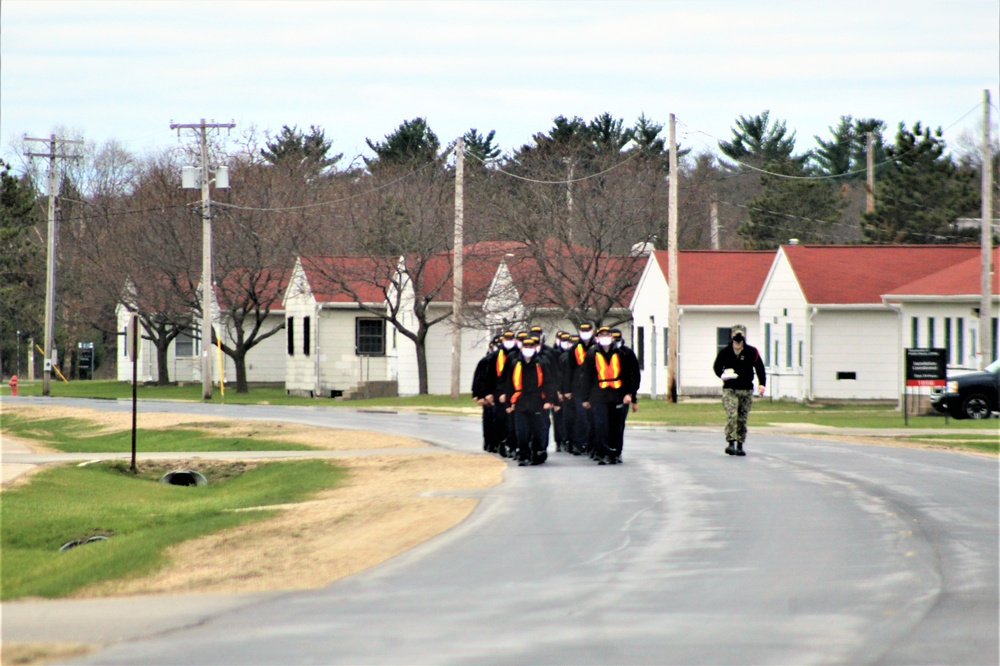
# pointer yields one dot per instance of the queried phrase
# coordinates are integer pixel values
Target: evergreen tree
(786, 208)
(921, 193)
(413, 142)
(847, 151)
(22, 264)
(296, 149)
(481, 147)
(759, 142)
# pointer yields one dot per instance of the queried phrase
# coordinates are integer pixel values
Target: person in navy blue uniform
(529, 390)
(605, 378)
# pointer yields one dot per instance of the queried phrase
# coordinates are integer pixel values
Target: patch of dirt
(379, 511)
(23, 652)
(320, 438)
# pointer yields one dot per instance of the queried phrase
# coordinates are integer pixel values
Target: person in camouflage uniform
(735, 365)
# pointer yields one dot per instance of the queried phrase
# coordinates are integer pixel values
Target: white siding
(861, 342)
(782, 303)
(651, 311)
(697, 346)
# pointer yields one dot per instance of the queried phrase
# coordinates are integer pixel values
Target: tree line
(568, 209)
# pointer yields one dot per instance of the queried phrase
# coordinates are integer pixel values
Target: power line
(564, 181)
(894, 159)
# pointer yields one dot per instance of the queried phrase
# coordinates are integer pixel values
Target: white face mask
(585, 336)
(508, 344)
(604, 342)
(527, 353)
(567, 345)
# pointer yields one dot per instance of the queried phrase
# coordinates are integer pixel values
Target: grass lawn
(660, 412)
(75, 436)
(141, 517)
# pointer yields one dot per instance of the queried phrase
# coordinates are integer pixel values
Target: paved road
(803, 552)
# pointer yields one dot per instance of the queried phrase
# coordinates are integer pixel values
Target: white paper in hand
(729, 373)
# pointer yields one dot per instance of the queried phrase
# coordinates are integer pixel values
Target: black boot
(739, 449)
(731, 449)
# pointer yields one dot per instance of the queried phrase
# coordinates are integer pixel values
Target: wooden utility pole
(870, 168)
(672, 321)
(201, 129)
(457, 277)
(713, 211)
(50, 263)
(986, 235)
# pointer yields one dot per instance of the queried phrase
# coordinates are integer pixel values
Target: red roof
(849, 274)
(348, 279)
(961, 279)
(718, 277)
(573, 272)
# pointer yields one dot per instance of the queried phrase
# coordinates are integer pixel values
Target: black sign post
(924, 367)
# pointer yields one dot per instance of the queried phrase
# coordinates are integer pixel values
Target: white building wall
(782, 304)
(651, 312)
(341, 368)
(698, 346)
(865, 343)
(961, 318)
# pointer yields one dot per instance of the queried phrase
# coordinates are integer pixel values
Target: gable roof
(855, 274)
(339, 279)
(961, 279)
(718, 277)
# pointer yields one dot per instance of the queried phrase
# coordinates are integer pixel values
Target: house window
(993, 337)
(788, 345)
(640, 350)
(914, 332)
(290, 336)
(947, 340)
(722, 338)
(930, 332)
(960, 340)
(306, 331)
(186, 344)
(369, 336)
(767, 344)
(801, 346)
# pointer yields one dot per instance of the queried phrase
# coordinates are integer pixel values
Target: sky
(124, 71)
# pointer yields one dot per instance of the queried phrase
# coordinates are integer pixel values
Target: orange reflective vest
(608, 374)
(501, 361)
(518, 383)
(580, 353)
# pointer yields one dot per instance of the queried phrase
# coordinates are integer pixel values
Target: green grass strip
(142, 518)
(71, 435)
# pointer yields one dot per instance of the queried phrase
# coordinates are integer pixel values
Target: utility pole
(870, 169)
(456, 291)
(50, 263)
(713, 212)
(201, 130)
(986, 235)
(672, 322)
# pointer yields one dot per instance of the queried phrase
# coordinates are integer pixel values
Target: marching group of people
(582, 388)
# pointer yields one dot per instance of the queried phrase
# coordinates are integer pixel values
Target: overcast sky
(125, 70)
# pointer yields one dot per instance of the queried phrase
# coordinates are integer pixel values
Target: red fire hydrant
(13, 385)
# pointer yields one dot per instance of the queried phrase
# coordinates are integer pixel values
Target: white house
(716, 289)
(265, 361)
(942, 310)
(825, 327)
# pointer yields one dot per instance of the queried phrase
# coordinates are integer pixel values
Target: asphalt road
(803, 552)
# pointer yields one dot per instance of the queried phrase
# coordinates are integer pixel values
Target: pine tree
(296, 149)
(921, 193)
